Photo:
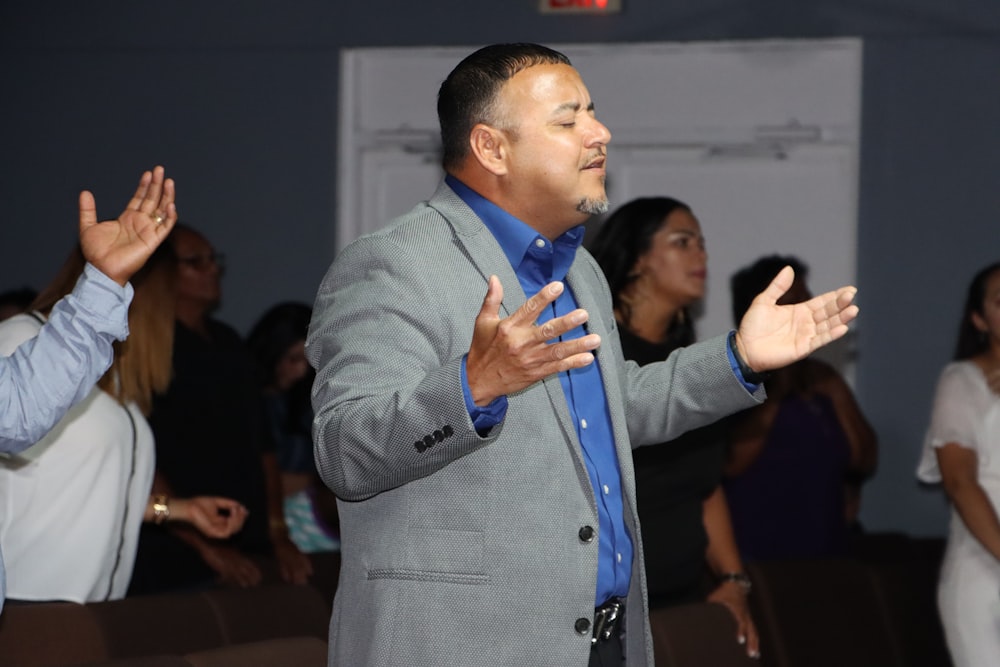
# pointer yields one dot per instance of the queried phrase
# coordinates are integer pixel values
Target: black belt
(608, 620)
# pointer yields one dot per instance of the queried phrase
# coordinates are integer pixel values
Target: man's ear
(489, 146)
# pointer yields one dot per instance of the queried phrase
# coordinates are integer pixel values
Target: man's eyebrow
(572, 106)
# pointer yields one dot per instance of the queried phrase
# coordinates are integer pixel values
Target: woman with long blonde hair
(72, 503)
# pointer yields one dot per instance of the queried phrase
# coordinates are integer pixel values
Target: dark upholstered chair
(906, 573)
(697, 634)
(171, 623)
(139, 661)
(283, 652)
(49, 634)
(821, 613)
(269, 612)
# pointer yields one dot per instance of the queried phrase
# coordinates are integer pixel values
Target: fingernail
(741, 639)
(556, 288)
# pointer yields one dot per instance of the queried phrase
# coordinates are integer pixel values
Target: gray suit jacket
(459, 549)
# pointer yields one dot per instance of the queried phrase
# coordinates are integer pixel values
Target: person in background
(277, 342)
(44, 377)
(212, 439)
(962, 452)
(74, 501)
(792, 460)
(653, 253)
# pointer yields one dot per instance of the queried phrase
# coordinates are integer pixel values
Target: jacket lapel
(479, 246)
(588, 290)
(489, 259)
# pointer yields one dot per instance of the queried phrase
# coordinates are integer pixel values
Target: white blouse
(71, 505)
(967, 413)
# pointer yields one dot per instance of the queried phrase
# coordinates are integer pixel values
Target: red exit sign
(580, 6)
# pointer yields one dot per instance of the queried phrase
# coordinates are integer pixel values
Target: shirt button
(582, 626)
(606, 490)
(583, 423)
(540, 243)
(619, 556)
(586, 534)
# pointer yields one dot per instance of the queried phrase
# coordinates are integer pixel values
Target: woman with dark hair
(962, 452)
(211, 438)
(653, 254)
(795, 462)
(277, 343)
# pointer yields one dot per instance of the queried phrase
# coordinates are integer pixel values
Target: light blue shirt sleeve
(46, 375)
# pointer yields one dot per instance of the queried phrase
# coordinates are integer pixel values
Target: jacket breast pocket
(442, 555)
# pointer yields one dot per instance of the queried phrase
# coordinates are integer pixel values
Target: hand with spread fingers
(119, 248)
(512, 353)
(771, 336)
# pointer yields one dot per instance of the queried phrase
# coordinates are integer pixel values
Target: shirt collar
(516, 237)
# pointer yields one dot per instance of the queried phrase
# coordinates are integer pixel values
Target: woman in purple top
(795, 462)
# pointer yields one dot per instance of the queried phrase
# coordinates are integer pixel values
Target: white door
(760, 138)
(799, 201)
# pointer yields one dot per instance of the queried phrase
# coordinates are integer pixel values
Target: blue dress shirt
(46, 375)
(537, 262)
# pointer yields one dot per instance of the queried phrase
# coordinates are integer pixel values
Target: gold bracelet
(161, 508)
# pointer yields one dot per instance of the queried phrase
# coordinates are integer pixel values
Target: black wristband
(749, 374)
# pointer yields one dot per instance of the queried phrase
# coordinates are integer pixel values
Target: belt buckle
(606, 618)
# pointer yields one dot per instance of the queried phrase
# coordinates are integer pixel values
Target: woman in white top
(962, 451)
(72, 503)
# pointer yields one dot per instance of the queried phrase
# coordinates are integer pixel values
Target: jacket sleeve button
(582, 626)
(587, 534)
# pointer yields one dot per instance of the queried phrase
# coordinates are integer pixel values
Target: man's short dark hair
(468, 96)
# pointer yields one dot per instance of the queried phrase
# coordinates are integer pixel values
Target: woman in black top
(653, 254)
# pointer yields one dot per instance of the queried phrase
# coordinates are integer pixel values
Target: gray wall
(238, 99)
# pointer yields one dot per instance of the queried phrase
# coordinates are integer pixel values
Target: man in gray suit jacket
(481, 457)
